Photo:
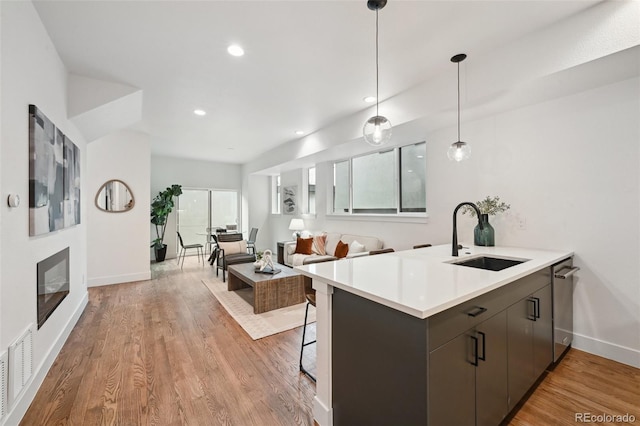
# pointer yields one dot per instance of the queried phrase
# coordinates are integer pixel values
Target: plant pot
(485, 236)
(161, 253)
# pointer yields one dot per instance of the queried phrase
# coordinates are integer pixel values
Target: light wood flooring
(165, 352)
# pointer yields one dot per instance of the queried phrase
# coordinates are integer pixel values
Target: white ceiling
(307, 63)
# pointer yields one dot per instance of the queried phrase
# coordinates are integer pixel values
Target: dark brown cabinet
(468, 376)
(530, 341)
(468, 365)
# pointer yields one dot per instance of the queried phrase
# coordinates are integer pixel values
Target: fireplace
(53, 284)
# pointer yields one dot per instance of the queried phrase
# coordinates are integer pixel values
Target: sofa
(324, 245)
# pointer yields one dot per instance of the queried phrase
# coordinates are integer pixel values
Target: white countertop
(420, 282)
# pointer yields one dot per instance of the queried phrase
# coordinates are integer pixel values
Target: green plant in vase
(490, 206)
(161, 206)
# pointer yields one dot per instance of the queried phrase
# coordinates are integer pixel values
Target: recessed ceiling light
(420, 156)
(200, 112)
(235, 50)
(299, 132)
(369, 99)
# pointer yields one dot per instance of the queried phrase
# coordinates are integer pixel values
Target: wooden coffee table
(270, 292)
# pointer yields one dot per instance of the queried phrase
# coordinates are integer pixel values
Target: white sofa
(291, 258)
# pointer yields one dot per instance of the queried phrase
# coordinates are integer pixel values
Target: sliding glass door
(193, 216)
(200, 209)
(224, 209)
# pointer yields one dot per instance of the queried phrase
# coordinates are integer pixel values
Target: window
(413, 179)
(311, 190)
(385, 182)
(341, 187)
(275, 194)
(374, 183)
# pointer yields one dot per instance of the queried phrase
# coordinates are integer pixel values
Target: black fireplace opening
(53, 284)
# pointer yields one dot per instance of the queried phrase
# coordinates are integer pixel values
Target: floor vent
(4, 376)
(20, 364)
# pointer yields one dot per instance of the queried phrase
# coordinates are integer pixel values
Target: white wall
(258, 210)
(166, 171)
(124, 155)
(569, 168)
(32, 73)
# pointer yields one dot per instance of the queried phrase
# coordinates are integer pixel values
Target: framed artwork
(289, 200)
(54, 176)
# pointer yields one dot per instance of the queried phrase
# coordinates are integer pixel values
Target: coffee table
(270, 292)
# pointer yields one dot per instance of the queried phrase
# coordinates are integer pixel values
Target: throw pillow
(233, 247)
(356, 247)
(341, 250)
(303, 245)
(318, 246)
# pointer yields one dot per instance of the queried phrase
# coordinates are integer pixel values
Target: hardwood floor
(583, 384)
(165, 352)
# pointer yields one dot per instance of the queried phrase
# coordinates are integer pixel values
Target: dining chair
(381, 251)
(421, 246)
(210, 240)
(183, 250)
(310, 295)
(251, 241)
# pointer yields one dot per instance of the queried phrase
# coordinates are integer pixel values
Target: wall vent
(20, 365)
(4, 378)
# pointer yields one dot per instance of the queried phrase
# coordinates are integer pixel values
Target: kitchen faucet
(454, 242)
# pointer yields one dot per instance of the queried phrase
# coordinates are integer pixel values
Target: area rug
(239, 305)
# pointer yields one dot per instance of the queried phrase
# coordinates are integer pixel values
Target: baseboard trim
(118, 279)
(22, 404)
(607, 350)
(322, 414)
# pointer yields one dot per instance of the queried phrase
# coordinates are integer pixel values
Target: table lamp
(296, 225)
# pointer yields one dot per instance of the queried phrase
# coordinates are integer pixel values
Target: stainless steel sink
(490, 263)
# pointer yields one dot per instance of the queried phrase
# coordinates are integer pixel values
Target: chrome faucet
(454, 242)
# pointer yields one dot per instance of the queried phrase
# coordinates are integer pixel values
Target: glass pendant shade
(459, 151)
(377, 130)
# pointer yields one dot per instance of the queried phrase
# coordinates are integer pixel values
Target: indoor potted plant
(490, 206)
(161, 206)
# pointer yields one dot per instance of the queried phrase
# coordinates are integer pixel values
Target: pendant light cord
(458, 101)
(377, 88)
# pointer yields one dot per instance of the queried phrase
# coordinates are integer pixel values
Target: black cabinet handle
(476, 311)
(484, 349)
(475, 350)
(537, 306)
(532, 317)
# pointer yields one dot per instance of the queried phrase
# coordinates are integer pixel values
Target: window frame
(399, 213)
(310, 191)
(276, 195)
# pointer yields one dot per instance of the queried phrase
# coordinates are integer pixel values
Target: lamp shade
(296, 225)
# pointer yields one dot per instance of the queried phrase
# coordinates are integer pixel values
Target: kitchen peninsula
(412, 338)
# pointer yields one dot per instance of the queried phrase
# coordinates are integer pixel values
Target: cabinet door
(452, 383)
(520, 346)
(542, 331)
(491, 374)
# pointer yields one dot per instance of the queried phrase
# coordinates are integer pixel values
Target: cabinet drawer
(448, 324)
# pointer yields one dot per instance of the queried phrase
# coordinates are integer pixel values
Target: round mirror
(114, 197)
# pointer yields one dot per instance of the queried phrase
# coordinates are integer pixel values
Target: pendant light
(459, 151)
(377, 129)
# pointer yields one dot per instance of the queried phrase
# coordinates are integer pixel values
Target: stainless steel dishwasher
(562, 285)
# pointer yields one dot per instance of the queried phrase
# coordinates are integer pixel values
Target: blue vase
(485, 236)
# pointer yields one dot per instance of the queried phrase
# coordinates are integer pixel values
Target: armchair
(232, 249)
